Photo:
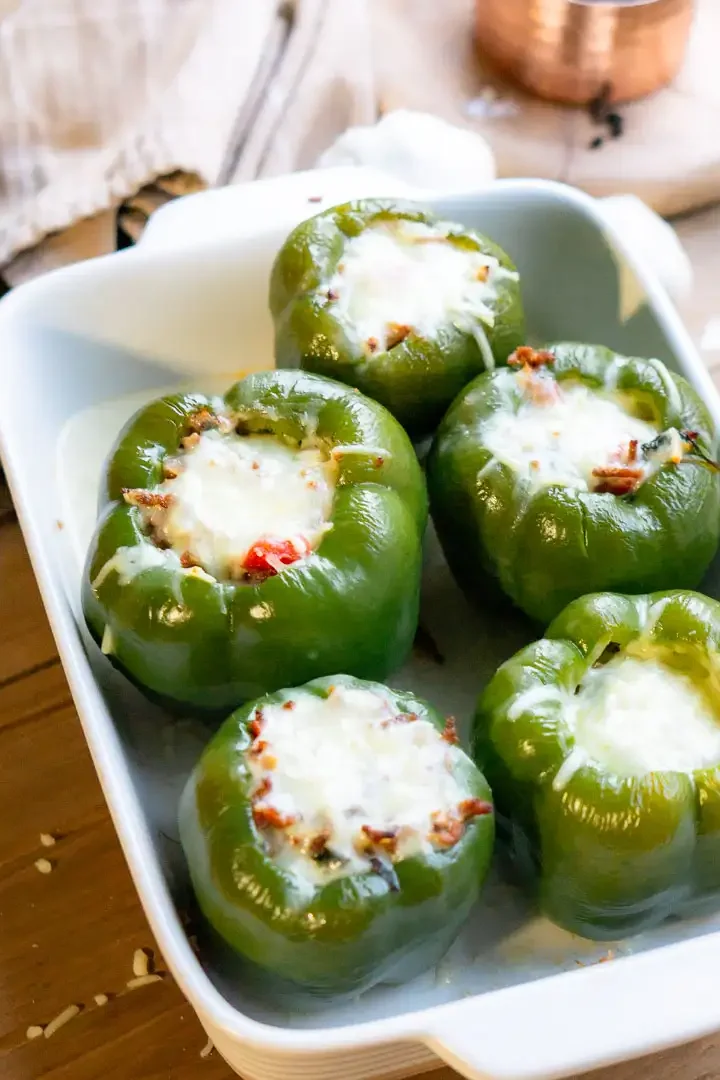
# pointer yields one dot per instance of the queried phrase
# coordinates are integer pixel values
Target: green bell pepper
(281, 897)
(648, 519)
(352, 603)
(417, 359)
(616, 831)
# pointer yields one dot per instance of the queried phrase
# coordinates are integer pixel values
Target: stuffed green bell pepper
(271, 535)
(602, 745)
(387, 298)
(575, 470)
(337, 835)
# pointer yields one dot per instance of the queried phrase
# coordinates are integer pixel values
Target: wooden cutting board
(669, 154)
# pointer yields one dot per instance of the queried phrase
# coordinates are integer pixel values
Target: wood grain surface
(69, 935)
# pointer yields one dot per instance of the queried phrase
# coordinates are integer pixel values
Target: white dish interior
(91, 344)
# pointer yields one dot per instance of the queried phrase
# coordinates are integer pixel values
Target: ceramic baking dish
(79, 350)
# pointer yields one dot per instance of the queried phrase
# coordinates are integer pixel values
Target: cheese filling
(345, 785)
(241, 503)
(568, 434)
(638, 715)
(400, 277)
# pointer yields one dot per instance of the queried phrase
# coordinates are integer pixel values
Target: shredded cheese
(562, 437)
(637, 715)
(332, 774)
(233, 491)
(401, 277)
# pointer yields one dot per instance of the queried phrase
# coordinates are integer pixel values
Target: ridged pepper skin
(608, 855)
(328, 938)
(351, 604)
(415, 379)
(543, 547)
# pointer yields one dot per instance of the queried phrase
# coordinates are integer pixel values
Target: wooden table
(69, 935)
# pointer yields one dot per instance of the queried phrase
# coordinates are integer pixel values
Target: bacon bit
(311, 484)
(483, 273)
(187, 559)
(378, 462)
(384, 838)
(255, 465)
(632, 451)
(526, 356)
(446, 829)
(333, 295)
(471, 808)
(616, 480)
(400, 718)
(171, 469)
(267, 556)
(264, 788)
(617, 470)
(288, 705)
(142, 497)
(203, 420)
(450, 734)
(615, 486)
(330, 691)
(534, 464)
(269, 762)
(318, 845)
(372, 344)
(267, 817)
(190, 441)
(256, 723)
(258, 747)
(542, 390)
(396, 333)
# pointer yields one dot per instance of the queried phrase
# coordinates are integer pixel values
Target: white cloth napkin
(99, 98)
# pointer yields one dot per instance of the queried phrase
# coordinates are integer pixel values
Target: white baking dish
(511, 999)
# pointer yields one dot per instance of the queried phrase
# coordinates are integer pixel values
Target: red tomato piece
(267, 556)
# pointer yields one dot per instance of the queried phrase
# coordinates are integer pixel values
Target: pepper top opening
(239, 506)
(346, 784)
(647, 709)
(569, 433)
(398, 278)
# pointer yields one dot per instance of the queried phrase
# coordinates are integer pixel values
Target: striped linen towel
(127, 103)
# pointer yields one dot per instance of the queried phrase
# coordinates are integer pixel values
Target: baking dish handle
(584, 1019)
(277, 203)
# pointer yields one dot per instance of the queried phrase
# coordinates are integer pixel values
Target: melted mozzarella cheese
(233, 491)
(128, 562)
(341, 763)
(637, 715)
(408, 274)
(561, 441)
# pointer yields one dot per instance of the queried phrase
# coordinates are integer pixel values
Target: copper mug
(573, 50)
